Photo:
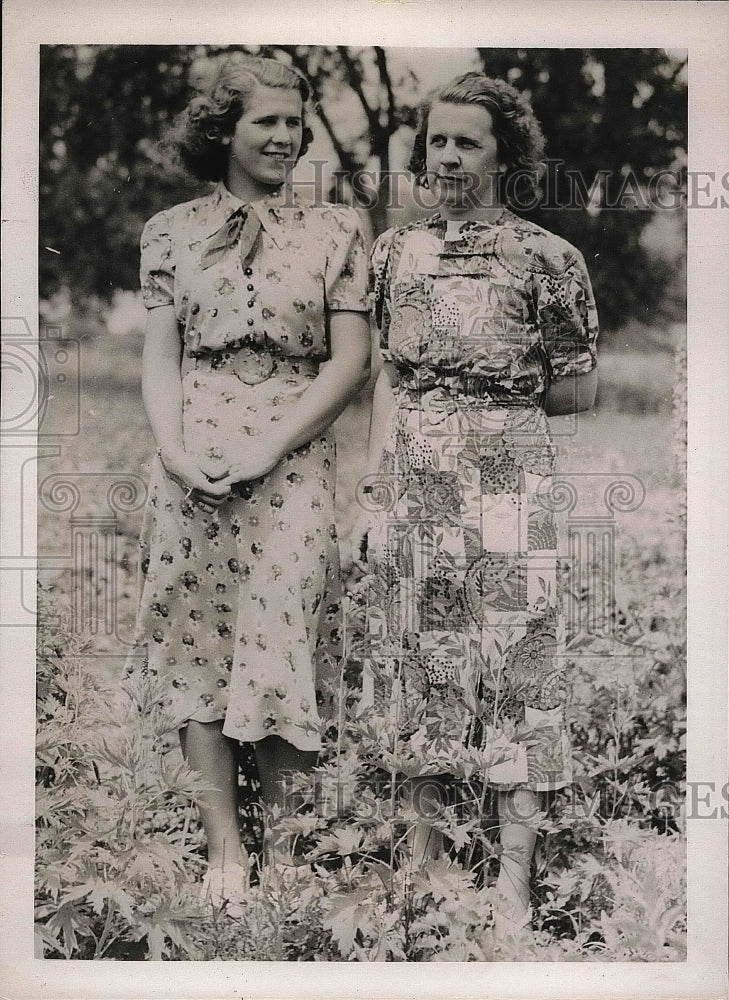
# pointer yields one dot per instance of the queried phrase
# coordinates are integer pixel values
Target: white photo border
(702, 29)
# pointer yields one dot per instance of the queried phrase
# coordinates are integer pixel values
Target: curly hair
(196, 137)
(519, 138)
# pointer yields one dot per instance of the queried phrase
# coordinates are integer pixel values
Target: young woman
(488, 327)
(248, 290)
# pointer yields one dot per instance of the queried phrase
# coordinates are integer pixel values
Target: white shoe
(510, 934)
(221, 886)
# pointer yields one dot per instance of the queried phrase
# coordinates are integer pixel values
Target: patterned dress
(464, 626)
(239, 610)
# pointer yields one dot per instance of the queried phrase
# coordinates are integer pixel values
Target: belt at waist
(469, 390)
(250, 363)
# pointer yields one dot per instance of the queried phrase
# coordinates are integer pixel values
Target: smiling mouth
(274, 155)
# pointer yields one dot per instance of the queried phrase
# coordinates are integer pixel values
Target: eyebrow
(468, 138)
(262, 117)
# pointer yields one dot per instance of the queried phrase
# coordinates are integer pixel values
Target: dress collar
(471, 236)
(276, 211)
(506, 217)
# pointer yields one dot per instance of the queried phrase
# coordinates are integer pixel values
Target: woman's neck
(246, 190)
(471, 213)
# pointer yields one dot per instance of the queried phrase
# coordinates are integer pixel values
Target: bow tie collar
(241, 228)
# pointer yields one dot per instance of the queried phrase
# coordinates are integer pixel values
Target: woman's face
(462, 155)
(265, 143)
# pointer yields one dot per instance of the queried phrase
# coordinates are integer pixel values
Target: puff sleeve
(379, 287)
(157, 269)
(566, 315)
(346, 268)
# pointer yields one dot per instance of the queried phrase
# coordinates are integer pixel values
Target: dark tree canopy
(101, 111)
(622, 112)
(615, 114)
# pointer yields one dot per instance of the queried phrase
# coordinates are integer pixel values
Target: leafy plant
(116, 847)
(119, 845)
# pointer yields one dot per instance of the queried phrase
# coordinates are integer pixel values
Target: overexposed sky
(433, 66)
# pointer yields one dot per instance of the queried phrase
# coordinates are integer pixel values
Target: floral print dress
(464, 626)
(239, 610)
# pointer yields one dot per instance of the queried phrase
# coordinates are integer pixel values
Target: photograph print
(362, 504)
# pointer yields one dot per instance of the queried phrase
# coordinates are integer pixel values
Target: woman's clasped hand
(201, 482)
(208, 484)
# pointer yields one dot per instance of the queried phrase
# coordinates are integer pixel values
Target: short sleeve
(379, 288)
(346, 269)
(157, 269)
(566, 316)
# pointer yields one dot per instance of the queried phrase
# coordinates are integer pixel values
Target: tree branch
(355, 82)
(346, 160)
(381, 59)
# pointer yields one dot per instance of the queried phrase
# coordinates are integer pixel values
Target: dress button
(250, 288)
(251, 303)
(194, 309)
(249, 322)
(248, 272)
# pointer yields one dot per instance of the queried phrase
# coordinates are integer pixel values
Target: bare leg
(276, 758)
(516, 808)
(211, 754)
(427, 796)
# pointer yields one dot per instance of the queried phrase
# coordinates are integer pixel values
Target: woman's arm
(565, 314)
(162, 395)
(339, 380)
(161, 385)
(383, 403)
(571, 394)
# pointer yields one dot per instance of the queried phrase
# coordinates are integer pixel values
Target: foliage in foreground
(119, 847)
(115, 847)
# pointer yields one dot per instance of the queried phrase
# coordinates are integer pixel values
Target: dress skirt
(239, 610)
(465, 632)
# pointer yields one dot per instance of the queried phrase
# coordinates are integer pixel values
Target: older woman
(248, 290)
(488, 327)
